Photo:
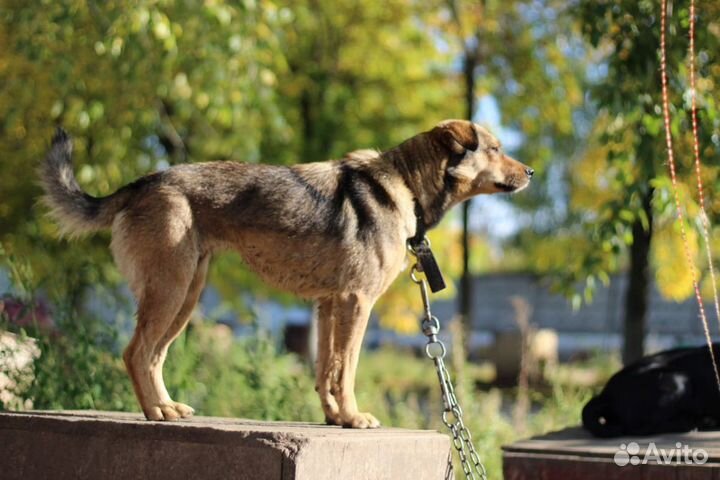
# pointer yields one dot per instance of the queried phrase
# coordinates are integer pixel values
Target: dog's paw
(185, 411)
(360, 420)
(333, 419)
(332, 413)
(169, 411)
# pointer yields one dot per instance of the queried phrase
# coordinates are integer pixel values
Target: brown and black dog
(334, 232)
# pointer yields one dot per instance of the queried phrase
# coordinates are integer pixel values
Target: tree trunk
(636, 295)
(466, 287)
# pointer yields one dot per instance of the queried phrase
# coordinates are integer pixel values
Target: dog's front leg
(325, 364)
(350, 316)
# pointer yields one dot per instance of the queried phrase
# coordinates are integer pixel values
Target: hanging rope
(696, 151)
(673, 176)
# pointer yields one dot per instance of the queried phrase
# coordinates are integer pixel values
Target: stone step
(574, 454)
(108, 445)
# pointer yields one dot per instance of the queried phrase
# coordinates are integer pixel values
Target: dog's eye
(457, 157)
(494, 149)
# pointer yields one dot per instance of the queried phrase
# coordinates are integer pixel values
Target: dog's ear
(458, 136)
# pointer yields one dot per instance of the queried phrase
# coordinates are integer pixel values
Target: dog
(333, 232)
(670, 391)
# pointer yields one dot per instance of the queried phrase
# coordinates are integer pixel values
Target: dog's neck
(421, 164)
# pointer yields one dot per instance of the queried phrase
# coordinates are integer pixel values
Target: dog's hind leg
(350, 317)
(324, 367)
(157, 250)
(173, 331)
(157, 309)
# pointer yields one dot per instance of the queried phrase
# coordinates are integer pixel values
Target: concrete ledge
(108, 445)
(574, 454)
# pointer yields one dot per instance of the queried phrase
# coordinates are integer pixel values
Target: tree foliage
(620, 191)
(625, 155)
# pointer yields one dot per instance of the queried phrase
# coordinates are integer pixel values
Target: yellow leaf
(672, 272)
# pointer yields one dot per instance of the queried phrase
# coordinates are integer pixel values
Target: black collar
(421, 227)
(421, 249)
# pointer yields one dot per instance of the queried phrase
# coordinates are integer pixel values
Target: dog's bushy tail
(76, 212)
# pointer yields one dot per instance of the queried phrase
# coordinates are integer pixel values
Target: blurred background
(550, 289)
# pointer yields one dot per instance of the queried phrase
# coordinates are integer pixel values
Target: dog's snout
(529, 172)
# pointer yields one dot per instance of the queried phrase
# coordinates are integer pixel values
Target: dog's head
(476, 162)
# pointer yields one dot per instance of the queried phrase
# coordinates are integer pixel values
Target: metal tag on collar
(426, 259)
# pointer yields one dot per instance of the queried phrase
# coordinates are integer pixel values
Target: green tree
(361, 74)
(629, 148)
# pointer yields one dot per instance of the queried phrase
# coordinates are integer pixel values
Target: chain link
(452, 415)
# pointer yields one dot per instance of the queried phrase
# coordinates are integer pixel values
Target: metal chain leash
(452, 415)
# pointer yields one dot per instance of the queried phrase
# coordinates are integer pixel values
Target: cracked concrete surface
(108, 445)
